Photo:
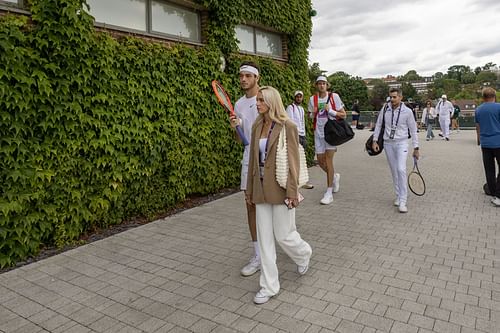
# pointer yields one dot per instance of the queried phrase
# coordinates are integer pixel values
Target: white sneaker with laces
(252, 267)
(402, 208)
(495, 201)
(261, 298)
(336, 182)
(396, 202)
(327, 199)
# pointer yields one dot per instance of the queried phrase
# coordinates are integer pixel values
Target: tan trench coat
(268, 190)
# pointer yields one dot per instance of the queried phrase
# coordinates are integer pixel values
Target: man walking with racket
(246, 113)
(324, 105)
(398, 120)
(488, 136)
(296, 113)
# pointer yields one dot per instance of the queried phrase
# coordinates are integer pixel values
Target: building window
(131, 13)
(16, 2)
(151, 16)
(175, 21)
(255, 40)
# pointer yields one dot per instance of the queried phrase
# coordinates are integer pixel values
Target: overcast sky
(374, 38)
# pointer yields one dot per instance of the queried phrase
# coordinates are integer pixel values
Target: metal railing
(368, 118)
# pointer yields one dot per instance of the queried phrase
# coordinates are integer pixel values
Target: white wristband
(332, 113)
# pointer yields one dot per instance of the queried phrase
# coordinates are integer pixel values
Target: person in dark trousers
(488, 136)
(455, 125)
(355, 114)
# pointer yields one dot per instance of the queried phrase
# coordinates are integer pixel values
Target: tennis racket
(224, 100)
(415, 181)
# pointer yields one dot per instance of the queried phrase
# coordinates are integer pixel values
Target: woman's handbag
(282, 162)
(337, 132)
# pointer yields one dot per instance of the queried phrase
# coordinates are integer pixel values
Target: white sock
(329, 190)
(256, 249)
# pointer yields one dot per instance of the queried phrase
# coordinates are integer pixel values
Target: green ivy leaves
(94, 129)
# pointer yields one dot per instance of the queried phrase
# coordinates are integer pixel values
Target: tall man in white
(398, 120)
(296, 113)
(445, 110)
(246, 113)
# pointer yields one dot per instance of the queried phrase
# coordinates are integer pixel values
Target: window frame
(149, 14)
(256, 27)
(186, 5)
(12, 4)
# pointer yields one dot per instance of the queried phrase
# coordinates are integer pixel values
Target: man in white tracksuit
(398, 120)
(445, 110)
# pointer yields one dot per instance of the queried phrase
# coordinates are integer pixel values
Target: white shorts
(244, 174)
(320, 145)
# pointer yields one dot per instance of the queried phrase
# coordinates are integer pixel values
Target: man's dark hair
(396, 90)
(250, 63)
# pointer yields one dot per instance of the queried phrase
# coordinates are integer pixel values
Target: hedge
(96, 129)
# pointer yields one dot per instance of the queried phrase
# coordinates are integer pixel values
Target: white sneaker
(303, 269)
(260, 298)
(327, 199)
(495, 201)
(336, 182)
(252, 267)
(396, 202)
(403, 208)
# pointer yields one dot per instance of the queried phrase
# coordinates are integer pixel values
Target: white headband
(251, 69)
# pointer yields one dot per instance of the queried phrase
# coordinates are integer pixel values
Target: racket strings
(416, 183)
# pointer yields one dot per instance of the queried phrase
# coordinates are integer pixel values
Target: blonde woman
(275, 206)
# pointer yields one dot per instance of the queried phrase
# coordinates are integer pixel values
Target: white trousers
(396, 153)
(277, 221)
(444, 122)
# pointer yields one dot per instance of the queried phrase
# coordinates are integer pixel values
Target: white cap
(321, 78)
(298, 92)
(444, 96)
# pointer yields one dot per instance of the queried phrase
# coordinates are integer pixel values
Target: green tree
(486, 76)
(378, 94)
(410, 76)
(450, 87)
(408, 90)
(469, 77)
(488, 66)
(456, 72)
(438, 75)
(350, 89)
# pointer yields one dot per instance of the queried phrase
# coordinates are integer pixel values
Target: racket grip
(241, 135)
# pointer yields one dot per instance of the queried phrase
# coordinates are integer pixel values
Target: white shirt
(323, 115)
(432, 114)
(296, 113)
(444, 109)
(405, 122)
(246, 109)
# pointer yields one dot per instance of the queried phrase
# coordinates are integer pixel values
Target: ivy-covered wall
(95, 129)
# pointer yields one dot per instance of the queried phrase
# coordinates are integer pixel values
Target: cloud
(369, 38)
(492, 50)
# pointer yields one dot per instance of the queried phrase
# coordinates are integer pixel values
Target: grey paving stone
(435, 269)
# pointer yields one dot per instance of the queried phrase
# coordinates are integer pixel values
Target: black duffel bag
(337, 132)
(380, 141)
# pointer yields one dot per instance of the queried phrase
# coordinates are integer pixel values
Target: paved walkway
(435, 269)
